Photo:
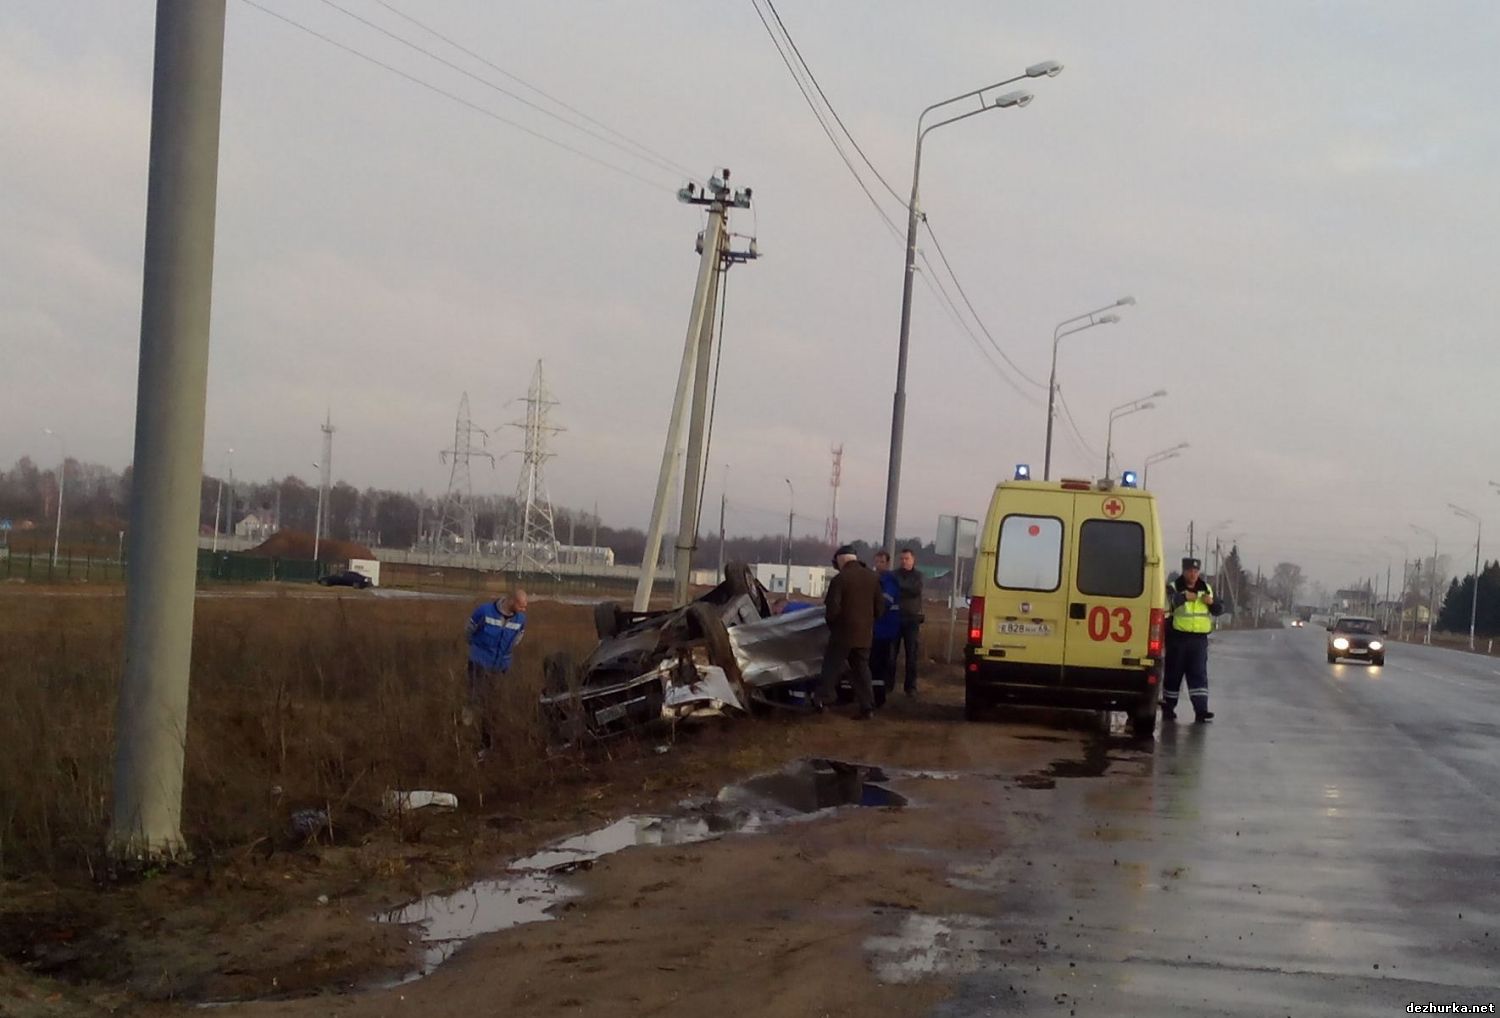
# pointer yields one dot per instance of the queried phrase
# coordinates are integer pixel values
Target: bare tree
(1286, 583)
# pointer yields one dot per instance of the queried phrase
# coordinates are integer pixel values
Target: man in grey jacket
(910, 583)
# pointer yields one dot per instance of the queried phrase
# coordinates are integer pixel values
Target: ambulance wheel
(1143, 724)
(974, 703)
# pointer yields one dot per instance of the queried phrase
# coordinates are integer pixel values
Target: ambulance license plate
(1025, 629)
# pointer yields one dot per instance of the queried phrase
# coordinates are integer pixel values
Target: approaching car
(1298, 623)
(1355, 636)
(347, 578)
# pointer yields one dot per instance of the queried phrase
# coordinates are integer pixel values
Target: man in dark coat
(852, 605)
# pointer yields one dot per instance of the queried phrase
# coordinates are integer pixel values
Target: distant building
(809, 581)
(253, 527)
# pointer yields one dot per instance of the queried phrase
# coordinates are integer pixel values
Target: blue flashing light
(1023, 472)
(1129, 480)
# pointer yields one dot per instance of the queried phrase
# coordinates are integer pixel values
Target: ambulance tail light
(1156, 633)
(1072, 484)
(976, 621)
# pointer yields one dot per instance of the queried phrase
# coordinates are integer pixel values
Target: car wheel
(1378, 661)
(705, 624)
(1333, 659)
(558, 671)
(606, 619)
(740, 577)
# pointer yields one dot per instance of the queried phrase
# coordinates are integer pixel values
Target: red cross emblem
(1114, 508)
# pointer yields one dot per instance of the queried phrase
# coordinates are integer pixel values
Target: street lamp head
(1108, 319)
(1125, 301)
(1018, 98)
(1146, 406)
(1047, 68)
(1158, 394)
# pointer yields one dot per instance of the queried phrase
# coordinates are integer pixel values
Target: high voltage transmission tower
(454, 534)
(531, 545)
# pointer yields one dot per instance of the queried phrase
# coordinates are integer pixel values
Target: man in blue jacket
(494, 630)
(887, 630)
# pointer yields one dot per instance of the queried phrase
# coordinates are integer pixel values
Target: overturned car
(723, 654)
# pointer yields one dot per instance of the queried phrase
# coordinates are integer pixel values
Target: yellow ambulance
(1068, 605)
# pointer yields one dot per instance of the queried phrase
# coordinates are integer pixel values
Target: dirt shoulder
(774, 920)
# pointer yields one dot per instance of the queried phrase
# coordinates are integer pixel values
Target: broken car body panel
(709, 658)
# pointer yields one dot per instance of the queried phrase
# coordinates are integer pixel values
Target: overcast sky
(1300, 195)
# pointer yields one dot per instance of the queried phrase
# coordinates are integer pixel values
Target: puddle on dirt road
(1098, 754)
(534, 889)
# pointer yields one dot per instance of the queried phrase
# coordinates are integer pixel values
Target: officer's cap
(1191, 563)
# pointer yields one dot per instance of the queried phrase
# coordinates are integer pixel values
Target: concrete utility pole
(692, 474)
(62, 483)
(723, 510)
(713, 250)
(791, 518)
(171, 395)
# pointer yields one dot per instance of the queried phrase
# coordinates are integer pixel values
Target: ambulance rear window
(1111, 558)
(1029, 556)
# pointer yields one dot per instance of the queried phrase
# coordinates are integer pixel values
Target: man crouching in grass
(495, 629)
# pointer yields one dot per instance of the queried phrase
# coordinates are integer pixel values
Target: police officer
(1194, 608)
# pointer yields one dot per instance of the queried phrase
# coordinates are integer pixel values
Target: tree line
(96, 507)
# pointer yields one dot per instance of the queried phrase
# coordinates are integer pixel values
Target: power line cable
(662, 164)
(656, 185)
(822, 122)
(644, 149)
(970, 305)
(827, 102)
(957, 317)
(1073, 423)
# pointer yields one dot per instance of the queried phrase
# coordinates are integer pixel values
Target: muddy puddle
(535, 888)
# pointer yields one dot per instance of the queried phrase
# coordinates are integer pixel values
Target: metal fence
(213, 567)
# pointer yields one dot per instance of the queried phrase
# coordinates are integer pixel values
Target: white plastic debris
(405, 802)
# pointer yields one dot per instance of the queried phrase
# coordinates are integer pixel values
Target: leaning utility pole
(171, 397)
(713, 254)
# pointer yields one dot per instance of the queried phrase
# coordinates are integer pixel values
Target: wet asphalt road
(1329, 846)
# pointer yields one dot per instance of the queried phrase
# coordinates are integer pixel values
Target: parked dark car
(347, 578)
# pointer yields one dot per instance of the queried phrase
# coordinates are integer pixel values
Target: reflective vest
(1193, 616)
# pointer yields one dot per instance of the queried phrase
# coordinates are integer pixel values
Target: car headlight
(1376, 645)
(1341, 644)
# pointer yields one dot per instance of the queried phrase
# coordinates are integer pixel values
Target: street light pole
(1431, 579)
(1159, 457)
(1125, 410)
(62, 482)
(1478, 536)
(1050, 69)
(1089, 320)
